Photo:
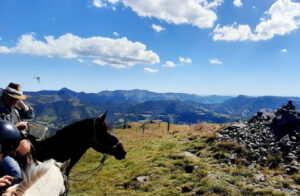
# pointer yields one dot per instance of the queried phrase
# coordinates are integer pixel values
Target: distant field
(186, 161)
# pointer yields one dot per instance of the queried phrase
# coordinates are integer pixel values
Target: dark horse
(74, 140)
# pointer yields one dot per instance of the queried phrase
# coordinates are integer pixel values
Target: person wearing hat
(14, 110)
(10, 145)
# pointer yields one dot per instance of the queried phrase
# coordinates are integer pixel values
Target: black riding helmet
(9, 137)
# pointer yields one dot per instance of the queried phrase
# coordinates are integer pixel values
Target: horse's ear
(65, 164)
(102, 118)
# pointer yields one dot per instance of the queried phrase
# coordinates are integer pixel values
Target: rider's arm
(23, 148)
(26, 112)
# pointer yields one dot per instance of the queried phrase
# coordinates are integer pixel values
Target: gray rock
(143, 179)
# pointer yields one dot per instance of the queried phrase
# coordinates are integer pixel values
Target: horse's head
(105, 141)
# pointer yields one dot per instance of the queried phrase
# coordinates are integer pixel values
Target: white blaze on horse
(45, 179)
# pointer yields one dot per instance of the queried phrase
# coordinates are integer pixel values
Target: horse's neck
(49, 183)
(67, 143)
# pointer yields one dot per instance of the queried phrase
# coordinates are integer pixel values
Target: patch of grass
(159, 155)
(296, 178)
(274, 160)
(267, 192)
(212, 186)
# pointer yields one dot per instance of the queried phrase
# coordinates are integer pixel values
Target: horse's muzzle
(121, 152)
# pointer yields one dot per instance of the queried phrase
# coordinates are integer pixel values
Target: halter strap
(96, 144)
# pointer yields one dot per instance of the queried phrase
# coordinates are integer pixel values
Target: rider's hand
(5, 180)
(23, 148)
(22, 105)
(10, 190)
(21, 125)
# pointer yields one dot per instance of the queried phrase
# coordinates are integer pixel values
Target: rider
(14, 110)
(9, 144)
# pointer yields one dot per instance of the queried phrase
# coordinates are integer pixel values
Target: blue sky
(224, 47)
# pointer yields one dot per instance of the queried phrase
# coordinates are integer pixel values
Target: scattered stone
(259, 177)
(276, 134)
(189, 154)
(292, 169)
(143, 179)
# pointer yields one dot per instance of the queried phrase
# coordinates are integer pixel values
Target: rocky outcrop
(265, 134)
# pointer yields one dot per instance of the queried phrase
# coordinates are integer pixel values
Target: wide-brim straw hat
(14, 92)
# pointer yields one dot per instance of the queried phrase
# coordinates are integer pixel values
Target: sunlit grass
(159, 155)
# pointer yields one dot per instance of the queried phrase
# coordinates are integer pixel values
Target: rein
(90, 173)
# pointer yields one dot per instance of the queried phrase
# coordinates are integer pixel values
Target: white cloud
(185, 60)
(169, 64)
(283, 50)
(158, 28)
(4, 50)
(198, 13)
(99, 3)
(233, 33)
(282, 18)
(116, 34)
(215, 61)
(80, 60)
(149, 70)
(105, 51)
(237, 3)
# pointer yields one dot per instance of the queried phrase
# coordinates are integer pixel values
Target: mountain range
(61, 107)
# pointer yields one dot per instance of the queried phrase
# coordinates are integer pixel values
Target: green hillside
(188, 160)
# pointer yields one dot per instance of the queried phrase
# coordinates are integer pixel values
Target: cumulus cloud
(4, 50)
(149, 70)
(169, 64)
(80, 60)
(99, 3)
(158, 28)
(215, 61)
(185, 60)
(233, 33)
(198, 13)
(282, 18)
(119, 53)
(237, 3)
(283, 50)
(116, 34)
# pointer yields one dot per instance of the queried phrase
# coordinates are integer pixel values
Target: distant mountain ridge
(245, 106)
(64, 106)
(119, 96)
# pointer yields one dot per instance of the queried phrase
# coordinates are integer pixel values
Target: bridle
(96, 144)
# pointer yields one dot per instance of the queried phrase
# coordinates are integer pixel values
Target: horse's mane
(32, 174)
(77, 124)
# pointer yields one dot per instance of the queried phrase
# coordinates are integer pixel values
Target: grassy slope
(159, 156)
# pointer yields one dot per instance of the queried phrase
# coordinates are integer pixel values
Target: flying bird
(38, 78)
